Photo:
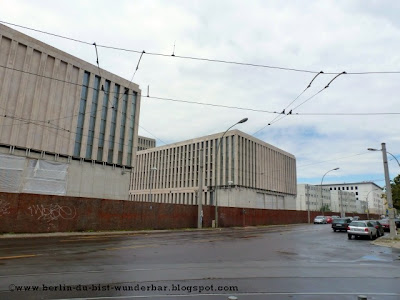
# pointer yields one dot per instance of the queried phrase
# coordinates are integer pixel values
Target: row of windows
(103, 121)
(347, 188)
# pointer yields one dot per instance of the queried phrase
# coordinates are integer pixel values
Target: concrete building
(250, 173)
(145, 143)
(344, 202)
(309, 197)
(368, 192)
(58, 108)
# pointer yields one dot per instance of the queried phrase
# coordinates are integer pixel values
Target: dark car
(340, 224)
(379, 228)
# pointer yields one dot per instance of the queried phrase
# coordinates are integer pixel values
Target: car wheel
(334, 230)
(370, 236)
(349, 236)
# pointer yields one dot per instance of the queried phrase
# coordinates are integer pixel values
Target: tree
(325, 207)
(395, 185)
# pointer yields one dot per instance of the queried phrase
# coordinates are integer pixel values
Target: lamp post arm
(394, 157)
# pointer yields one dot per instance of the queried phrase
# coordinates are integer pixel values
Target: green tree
(325, 208)
(395, 185)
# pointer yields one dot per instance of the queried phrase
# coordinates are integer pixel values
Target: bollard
(361, 297)
(232, 298)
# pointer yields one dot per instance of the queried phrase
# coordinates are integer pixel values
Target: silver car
(320, 220)
(361, 228)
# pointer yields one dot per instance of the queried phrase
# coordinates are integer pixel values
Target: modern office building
(368, 192)
(145, 143)
(56, 107)
(247, 173)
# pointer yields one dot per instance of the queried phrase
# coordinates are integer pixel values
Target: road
(279, 262)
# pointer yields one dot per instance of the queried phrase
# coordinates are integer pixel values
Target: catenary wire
(287, 106)
(199, 58)
(186, 101)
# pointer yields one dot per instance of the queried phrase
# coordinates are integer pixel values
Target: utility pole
(200, 192)
(392, 224)
(308, 203)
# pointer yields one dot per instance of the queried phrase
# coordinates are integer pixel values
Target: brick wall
(34, 213)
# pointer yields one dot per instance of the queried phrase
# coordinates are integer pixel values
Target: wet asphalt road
(282, 262)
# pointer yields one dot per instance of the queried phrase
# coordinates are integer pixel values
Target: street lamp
(216, 169)
(372, 149)
(151, 180)
(392, 224)
(322, 202)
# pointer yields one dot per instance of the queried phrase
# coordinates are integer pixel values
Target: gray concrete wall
(83, 179)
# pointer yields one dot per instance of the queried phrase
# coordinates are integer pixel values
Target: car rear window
(358, 224)
(341, 221)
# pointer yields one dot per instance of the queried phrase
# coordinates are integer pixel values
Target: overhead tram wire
(153, 135)
(191, 102)
(308, 99)
(199, 58)
(298, 96)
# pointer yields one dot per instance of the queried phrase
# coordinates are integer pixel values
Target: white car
(320, 220)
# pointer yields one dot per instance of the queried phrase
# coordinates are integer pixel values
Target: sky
(283, 45)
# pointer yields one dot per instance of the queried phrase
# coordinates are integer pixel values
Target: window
(93, 113)
(356, 187)
(122, 128)
(113, 124)
(131, 129)
(104, 111)
(81, 115)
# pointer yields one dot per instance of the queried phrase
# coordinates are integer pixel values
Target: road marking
(132, 247)
(238, 294)
(18, 256)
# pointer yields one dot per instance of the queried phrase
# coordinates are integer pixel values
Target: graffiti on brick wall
(52, 212)
(4, 207)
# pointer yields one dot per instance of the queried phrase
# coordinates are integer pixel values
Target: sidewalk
(130, 232)
(387, 242)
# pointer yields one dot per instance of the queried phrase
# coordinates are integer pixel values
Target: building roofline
(214, 136)
(69, 58)
(352, 183)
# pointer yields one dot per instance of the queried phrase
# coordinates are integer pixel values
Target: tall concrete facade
(54, 102)
(56, 107)
(247, 173)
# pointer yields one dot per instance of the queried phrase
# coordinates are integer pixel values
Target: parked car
(335, 217)
(386, 224)
(356, 218)
(379, 227)
(320, 220)
(329, 219)
(361, 228)
(340, 224)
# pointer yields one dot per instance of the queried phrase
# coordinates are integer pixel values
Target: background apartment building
(247, 173)
(339, 201)
(68, 118)
(367, 193)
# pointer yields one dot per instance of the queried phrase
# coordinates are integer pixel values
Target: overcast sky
(328, 36)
